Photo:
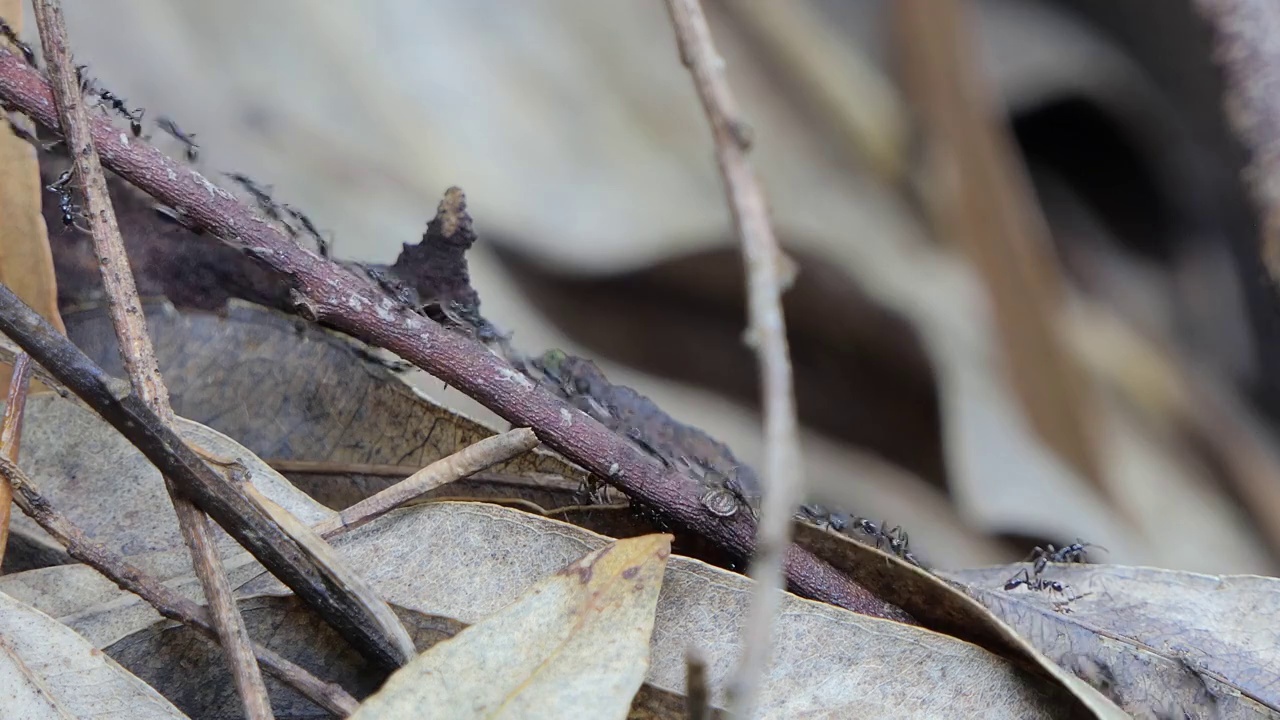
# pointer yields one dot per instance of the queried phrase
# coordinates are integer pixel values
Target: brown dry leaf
(289, 390)
(575, 644)
(48, 671)
(1158, 642)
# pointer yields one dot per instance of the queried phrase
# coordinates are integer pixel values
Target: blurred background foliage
(1029, 304)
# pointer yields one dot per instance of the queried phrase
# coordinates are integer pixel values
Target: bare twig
(471, 459)
(139, 357)
(325, 586)
(1247, 47)
(165, 600)
(11, 434)
(697, 691)
(327, 292)
(783, 477)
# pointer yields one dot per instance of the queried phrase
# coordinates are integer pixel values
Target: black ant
(27, 53)
(1039, 583)
(321, 241)
(189, 140)
(261, 194)
(1076, 552)
(62, 186)
(117, 103)
(896, 539)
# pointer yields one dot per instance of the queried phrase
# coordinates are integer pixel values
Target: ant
(189, 140)
(27, 53)
(1076, 552)
(117, 103)
(896, 539)
(1039, 583)
(260, 193)
(62, 186)
(321, 241)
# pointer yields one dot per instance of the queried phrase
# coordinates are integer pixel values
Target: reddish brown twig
(327, 292)
(139, 357)
(11, 434)
(783, 477)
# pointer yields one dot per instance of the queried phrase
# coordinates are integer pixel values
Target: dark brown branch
(320, 585)
(139, 357)
(329, 293)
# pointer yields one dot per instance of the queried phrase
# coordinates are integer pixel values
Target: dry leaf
(466, 561)
(576, 644)
(939, 606)
(292, 391)
(460, 562)
(47, 671)
(1158, 642)
(111, 491)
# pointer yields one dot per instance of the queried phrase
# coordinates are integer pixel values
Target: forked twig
(165, 600)
(139, 357)
(783, 479)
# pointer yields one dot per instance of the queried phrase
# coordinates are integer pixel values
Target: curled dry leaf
(1158, 642)
(575, 644)
(940, 606)
(48, 671)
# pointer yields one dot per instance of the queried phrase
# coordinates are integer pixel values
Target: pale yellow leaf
(575, 645)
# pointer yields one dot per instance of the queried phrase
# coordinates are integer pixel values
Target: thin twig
(783, 477)
(139, 357)
(471, 459)
(341, 597)
(11, 435)
(697, 691)
(130, 578)
(327, 292)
